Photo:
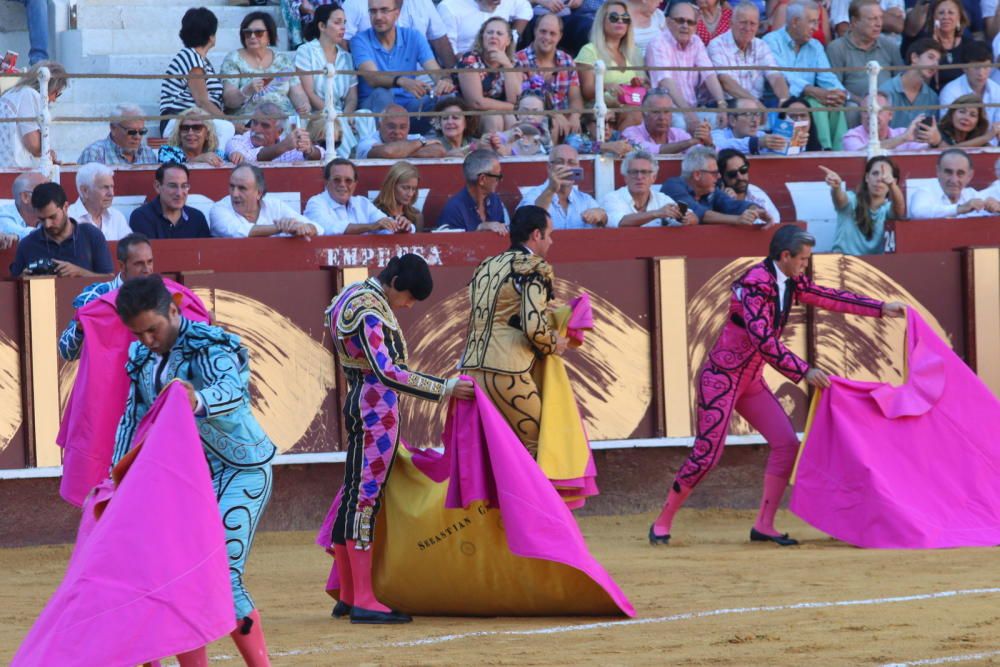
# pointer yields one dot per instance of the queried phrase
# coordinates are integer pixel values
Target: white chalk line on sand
(582, 627)
(946, 660)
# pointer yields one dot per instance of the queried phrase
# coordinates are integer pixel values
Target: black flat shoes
(372, 617)
(655, 539)
(341, 609)
(757, 536)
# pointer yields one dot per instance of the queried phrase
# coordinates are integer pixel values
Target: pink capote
(150, 577)
(908, 467)
(97, 401)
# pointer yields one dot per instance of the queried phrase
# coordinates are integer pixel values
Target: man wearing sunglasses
(477, 208)
(696, 189)
(125, 143)
(735, 182)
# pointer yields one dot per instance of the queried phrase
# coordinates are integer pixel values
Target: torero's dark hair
(408, 273)
(526, 220)
(142, 294)
(790, 238)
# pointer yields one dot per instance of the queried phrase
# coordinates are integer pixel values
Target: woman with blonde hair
(490, 91)
(613, 41)
(193, 140)
(21, 143)
(398, 196)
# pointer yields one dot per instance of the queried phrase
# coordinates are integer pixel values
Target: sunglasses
(191, 128)
(615, 17)
(688, 22)
(254, 32)
(134, 133)
(499, 177)
(640, 172)
(742, 171)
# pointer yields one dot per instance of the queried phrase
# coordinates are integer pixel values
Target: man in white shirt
(734, 168)
(976, 80)
(337, 211)
(992, 191)
(19, 219)
(567, 205)
(955, 198)
(96, 184)
(263, 143)
(463, 18)
(637, 204)
(419, 15)
(394, 141)
(250, 211)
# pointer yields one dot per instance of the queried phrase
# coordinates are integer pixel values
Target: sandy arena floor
(712, 598)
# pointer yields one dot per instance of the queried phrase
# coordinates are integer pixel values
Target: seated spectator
(21, 142)
(955, 199)
(637, 204)
(198, 28)
(95, 184)
(678, 47)
(695, 188)
(264, 142)
(861, 215)
(735, 182)
(796, 109)
(316, 55)
(891, 138)
(463, 18)
(714, 19)
(776, 20)
(384, 49)
(59, 244)
(256, 63)
(457, 132)
(398, 196)
(477, 207)
(420, 15)
(167, 215)
(194, 140)
(893, 17)
(394, 141)
(744, 133)
(336, 210)
(19, 219)
(300, 19)
(560, 195)
(562, 87)
(648, 21)
(992, 191)
(740, 47)
(249, 211)
(125, 144)
(135, 260)
(976, 81)
(530, 134)
(612, 41)
(909, 88)
(657, 134)
(863, 43)
(947, 23)
(490, 91)
(794, 46)
(967, 127)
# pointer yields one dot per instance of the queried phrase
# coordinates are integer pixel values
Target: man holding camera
(59, 246)
(560, 195)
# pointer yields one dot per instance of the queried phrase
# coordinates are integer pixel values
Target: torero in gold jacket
(508, 325)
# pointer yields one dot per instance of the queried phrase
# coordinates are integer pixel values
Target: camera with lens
(42, 267)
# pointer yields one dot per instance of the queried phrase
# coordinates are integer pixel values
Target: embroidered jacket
(217, 365)
(756, 319)
(368, 340)
(508, 326)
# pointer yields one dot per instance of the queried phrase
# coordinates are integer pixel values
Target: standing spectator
(198, 28)
(125, 143)
(741, 47)
(637, 204)
(37, 15)
(947, 23)
(477, 207)
(316, 55)
(385, 49)
(394, 141)
(19, 219)
(794, 46)
(744, 132)
(714, 18)
(657, 133)
(611, 40)
(399, 194)
(264, 142)
(248, 211)
(463, 18)
(76, 251)
(953, 198)
(560, 195)
(910, 88)
(95, 183)
(167, 216)
(976, 81)
(863, 43)
(893, 18)
(678, 47)
(337, 211)
(695, 188)
(193, 139)
(735, 182)
(968, 127)
(890, 138)
(21, 142)
(861, 215)
(490, 91)
(256, 63)
(420, 15)
(648, 21)
(563, 86)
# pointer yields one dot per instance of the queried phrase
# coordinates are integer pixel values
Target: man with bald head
(19, 219)
(560, 195)
(394, 141)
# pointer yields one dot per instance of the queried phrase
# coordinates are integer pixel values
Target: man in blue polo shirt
(384, 49)
(59, 245)
(167, 216)
(696, 189)
(477, 207)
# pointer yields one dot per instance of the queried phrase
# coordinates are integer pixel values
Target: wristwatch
(423, 141)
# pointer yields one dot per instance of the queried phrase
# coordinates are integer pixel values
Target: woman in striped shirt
(198, 29)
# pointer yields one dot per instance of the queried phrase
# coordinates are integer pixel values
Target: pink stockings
(362, 593)
(249, 639)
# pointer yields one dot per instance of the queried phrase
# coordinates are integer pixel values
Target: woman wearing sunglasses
(194, 140)
(613, 41)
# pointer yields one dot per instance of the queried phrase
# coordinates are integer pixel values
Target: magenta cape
(97, 400)
(149, 578)
(908, 467)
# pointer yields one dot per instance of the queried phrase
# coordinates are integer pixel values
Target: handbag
(633, 94)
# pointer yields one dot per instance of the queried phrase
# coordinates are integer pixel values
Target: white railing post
(49, 168)
(604, 167)
(600, 106)
(874, 143)
(330, 112)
